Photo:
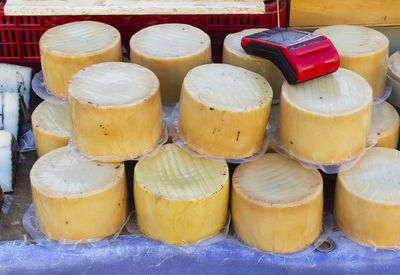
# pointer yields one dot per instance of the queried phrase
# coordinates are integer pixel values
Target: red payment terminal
(299, 55)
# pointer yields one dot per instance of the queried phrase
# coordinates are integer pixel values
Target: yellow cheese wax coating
(68, 48)
(276, 204)
(385, 125)
(78, 199)
(367, 199)
(180, 199)
(51, 127)
(170, 51)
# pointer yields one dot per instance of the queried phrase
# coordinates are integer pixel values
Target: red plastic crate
(19, 35)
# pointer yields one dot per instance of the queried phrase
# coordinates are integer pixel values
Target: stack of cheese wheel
(385, 125)
(78, 199)
(394, 78)
(224, 110)
(326, 120)
(180, 199)
(115, 111)
(361, 50)
(170, 51)
(367, 199)
(234, 54)
(68, 48)
(51, 127)
(276, 204)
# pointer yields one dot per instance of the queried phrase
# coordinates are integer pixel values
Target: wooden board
(333, 12)
(131, 7)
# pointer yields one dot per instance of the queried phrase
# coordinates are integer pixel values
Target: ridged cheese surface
(276, 204)
(394, 66)
(385, 123)
(113, 84)
(80, 38)
(178, 198)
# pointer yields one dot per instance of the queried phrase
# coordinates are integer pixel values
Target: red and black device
(298, 54)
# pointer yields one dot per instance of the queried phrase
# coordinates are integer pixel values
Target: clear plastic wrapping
(41, 91)
(385, 95)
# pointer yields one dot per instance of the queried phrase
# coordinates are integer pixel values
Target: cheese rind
(68, 48)
(51, 127)
(7, 161)
(180, 199)
(115, 111)
(276, 204)
(234, 54)
(170, 51)
(361, 50)
(327, 119)
(16, 79)
(385, 123)
(78, 199)
(224, 110)
(367, 199)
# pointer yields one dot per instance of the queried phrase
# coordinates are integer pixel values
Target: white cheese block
(9, 112)
(361, 50)
(170, 51)
(224, 110)
(68, 48)
(7, 161)
(115, 110)
(385, 123)
(180, 199)
(327, 119)
(234, 54)
(16, 79)
(51, 127)
(276, 204)
(367, 199)
(78, 199)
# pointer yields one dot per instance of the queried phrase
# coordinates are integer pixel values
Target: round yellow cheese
(68, 48)
(180, 199)
(367, 199)
(394, 66)
(51, 127)
(115, 110)
(326, 119)
(385, 125)
(361, 50)
(276, 204)
(234, 54)
(78, 199)
(170, 51)
(224, 110)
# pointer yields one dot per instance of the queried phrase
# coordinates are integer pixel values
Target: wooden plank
(332, 12)
(131, 7)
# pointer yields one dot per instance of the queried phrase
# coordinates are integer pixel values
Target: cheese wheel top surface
(276, 180)
(384, 117)
(376, 177)
(394, 64)
(169, 41)
(337, 93)
(174, 174)
(232, 42)
(227, 87)
(52, 118)
(66, 173)
(80, 38)
(113, 84)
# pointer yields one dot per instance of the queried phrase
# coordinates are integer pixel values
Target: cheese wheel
(234, 54)
(367, 199)
(170, 51)
(394, 78)
(51, 127)
(78, 199)
(68, 48)
(361, 50)
(326, 119)
(180, 199)
(276, 204)
(385, 125)
(115, 110)
(224, 110)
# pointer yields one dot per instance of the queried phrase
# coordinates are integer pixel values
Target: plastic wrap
(41, 91)
(167, 111)
(394, 78)
(385, 95)
(173, 130)
(367, 199)
(157, 48)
